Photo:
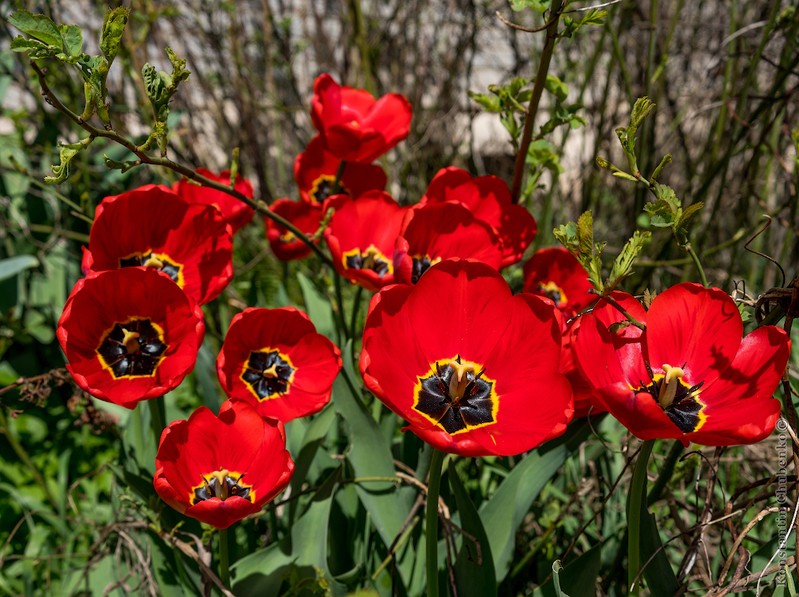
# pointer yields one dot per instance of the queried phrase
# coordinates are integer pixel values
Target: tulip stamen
(268, 373)
(133, 348)
(679, 401)
(554, 292)
(221, 484)
(456, 396)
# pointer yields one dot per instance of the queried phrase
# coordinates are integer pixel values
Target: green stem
(224, 558)
(337, 181)
(615, 304)
(535, 98)
(431, 522)
(636, 508)
(695, 258)
(342, 324)
(157, 417)
(666, 472)
(45, 229)
(356, 305)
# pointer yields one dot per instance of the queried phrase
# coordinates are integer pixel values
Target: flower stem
(688, 248)
(224, 558)
(337, 181)
(636, 508)
(157, 417)
(431, 522)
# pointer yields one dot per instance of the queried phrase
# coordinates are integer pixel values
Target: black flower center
(221, 484)
(554, 292)
(369, 259)
(678, 400)
(156, 261)
(268, 373)
(132, 349)
(457, 396)
(324, 186)
(420, 264)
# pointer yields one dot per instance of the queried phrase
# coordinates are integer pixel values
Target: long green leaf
(474, 569)
(370, 456)
(300, 557)
(503, 513)
(11, 266)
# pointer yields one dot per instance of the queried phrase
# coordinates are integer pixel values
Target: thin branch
(165, 162)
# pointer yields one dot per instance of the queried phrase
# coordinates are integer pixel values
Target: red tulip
(353, 125)
(472, 368)
(274, 359)
(689, 375)
(361, 237)
(151, 226)
(488, 198)
(221, 469)
(439, 231)
(129, 335)
(305, 216)
(235, 212)
(315, 171)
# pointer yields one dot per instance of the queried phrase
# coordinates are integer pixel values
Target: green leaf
(623, 264)
(11, 266)
(577, 578)
(474, 569)
(489, 103)
(73, 39)
(585, 233)
(34, 47)
(113, 28)
(300, 557)
(641, 109)
(317, 307)
(687, 214)
(659, 575)
(504, 511)
(67, 152)
(566, 234)
(625, 176)
(37, 26)
(557, 87)
(369, 454)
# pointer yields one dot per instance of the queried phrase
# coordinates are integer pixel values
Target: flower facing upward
(221, 469)
(151, 226)
(315, 171)
(354, 126)
(488, 198)
(472, 368)
(440, 231)
(361, 237)
(274, 359)
(305, 216)
(235, 212)
(689, 375)
(129, 335)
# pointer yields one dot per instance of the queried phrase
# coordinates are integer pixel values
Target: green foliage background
(78, 512)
